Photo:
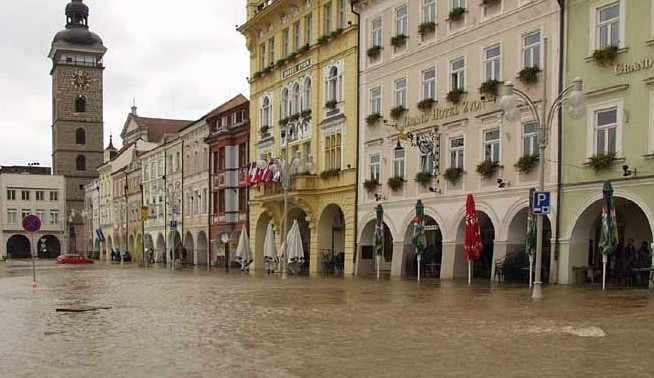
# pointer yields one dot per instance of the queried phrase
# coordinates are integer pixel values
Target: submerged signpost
(32, 224)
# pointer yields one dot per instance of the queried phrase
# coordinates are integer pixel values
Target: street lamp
(577, 108)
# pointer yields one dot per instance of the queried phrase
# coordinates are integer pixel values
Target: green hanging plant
(453, 175)
(529, 75)
(426, 28)
(490, 2)
(331, 104)
(424, 178)
(374, 52)
(526, 163)
(323, 39)
(456, 14)
(606, 56)
(370, 185)
(329, 173)
(454, 96)
(303, 49)
(426, 104)
(336, 33)
(398, 40)
(490, 87)
(395, 183)
(373, 118)
(397, 111)
(487, 168)
(602, 161)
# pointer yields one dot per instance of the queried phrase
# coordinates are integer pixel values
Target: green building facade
(610, 45)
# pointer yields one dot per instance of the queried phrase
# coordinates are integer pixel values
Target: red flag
(252, 175)
(472, 243)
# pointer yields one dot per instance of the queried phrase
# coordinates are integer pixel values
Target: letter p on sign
(541, 202)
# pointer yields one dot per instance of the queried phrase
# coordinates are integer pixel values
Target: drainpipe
(356, 191)
(562, 48)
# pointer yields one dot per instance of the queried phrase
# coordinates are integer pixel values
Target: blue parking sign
(173, 225)
(541, 201)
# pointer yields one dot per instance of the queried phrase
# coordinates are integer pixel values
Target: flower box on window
(426, 104)
(263, 129)
(323, 39)
(395, 183)
(397, 111)
(489, 87)
(257, 75)
(329, 173)
(370, 185)
(303, 49)
(490, 3)
(283, 121)
(280, 62)
(427, 28)
(331, 104)
(306, 113)
(291, 57)
(336, 33)
(602, 161)
(424, 178)
(398, 40)
(606, 56)
(453, 175)
(373, 52)
(373, 118)
(294, 117)
(526, 163)
(454, 96)
(487, 168)
(456, 14)
(529, 75)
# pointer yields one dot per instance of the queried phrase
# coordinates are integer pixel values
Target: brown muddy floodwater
(194, 323)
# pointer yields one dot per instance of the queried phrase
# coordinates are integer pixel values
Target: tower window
(80, 136)
(80, 163)
(80, 104)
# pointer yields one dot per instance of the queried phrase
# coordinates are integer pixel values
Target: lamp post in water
(577, 108)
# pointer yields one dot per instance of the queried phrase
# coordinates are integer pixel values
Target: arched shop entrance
(431, 259)
(366, 259)
(19, 247)
(584, 240)
(202, 250)
(300, 215)
(481, 268)
(516, 259)
(160, 251)
(49, 247)
(331, 240)
(261, 227)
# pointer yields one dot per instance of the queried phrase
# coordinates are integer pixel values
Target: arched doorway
(261, 227)
(110, 246)
(366, 259)
(174, 245)
(482, 267)
(130, 245)
(49, 247)
(516, 258)
(584, 240)
(299, 215)
(19, 247)
(187, 250)
(202, 250)
(331, 240)
(160, 250)
(138, 249)
(432, 257)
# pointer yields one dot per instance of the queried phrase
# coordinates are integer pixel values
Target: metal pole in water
(33, 263)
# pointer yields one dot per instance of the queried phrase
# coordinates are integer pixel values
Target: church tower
(77, 121)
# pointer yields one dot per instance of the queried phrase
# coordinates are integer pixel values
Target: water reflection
(201, 324)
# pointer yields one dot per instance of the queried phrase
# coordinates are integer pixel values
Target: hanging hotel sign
(626, 68)
(441, 112)
(303, 65)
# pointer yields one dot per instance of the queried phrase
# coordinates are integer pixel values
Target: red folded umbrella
(472, 243)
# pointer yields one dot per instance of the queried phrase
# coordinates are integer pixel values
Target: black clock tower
(77, 121)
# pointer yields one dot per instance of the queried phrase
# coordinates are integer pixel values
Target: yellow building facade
(303, 110)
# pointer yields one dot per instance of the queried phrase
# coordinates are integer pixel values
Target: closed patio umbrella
(472, 243)
(294, 243)
(609, 232)
(243, 254)
(378, 236)
(419, 240)
(269, 253)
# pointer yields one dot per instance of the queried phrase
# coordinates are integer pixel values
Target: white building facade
(30, 193)
(435, 69)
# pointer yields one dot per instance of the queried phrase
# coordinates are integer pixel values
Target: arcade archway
(19, 247)
(482, 267)
(366, 259)
(331, 240)
(431, 259)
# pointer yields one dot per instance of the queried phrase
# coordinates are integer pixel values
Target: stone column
(348, 265)
(313, 247)
(499, 252)
(398, 258)
(448, 260)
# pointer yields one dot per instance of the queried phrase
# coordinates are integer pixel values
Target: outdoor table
(585, 269)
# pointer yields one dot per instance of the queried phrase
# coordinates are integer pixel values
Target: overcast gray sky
(177, 59)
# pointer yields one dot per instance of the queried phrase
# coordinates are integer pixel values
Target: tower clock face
(80, 80)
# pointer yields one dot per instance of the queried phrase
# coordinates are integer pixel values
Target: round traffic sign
(31, 223)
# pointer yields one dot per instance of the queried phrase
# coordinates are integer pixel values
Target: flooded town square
(195, 323)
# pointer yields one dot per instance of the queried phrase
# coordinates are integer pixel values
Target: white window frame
(426, 161)
(12, 216)
(376, 100)
(333, 152)
(494, 144)
(376, 31)
(591, 141)
(374, 167)
(340, 11)
(493, 64)
(308, 29)
(458, 4)
(327, 18)
(286, 42)
(402, 20)
(528, 51)
(307, 92)
(457, 154)
(429, 11)
(400, 92)
(459, 72)
(593, 42)
(399, 165)
(530, 139)
(428, 84)
(297, 35)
